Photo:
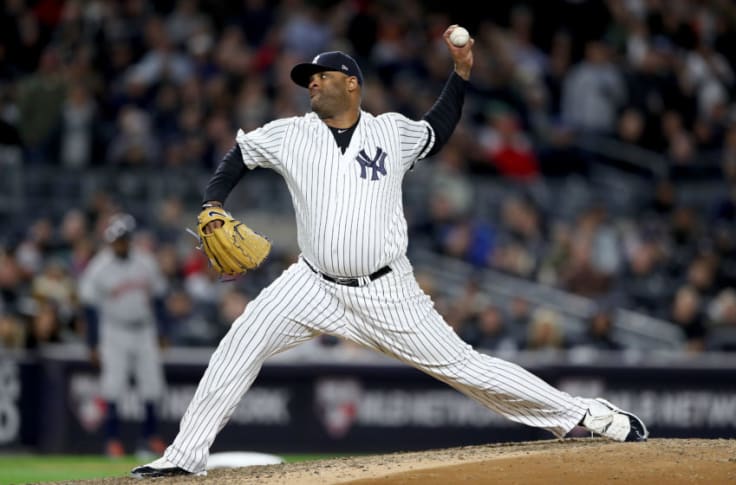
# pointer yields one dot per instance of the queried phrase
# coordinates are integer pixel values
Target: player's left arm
(229, 172)
(258, 148)
(445, 114)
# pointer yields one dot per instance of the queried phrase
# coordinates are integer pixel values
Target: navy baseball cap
(327, 61)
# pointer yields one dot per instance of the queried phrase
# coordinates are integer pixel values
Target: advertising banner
(353, 408)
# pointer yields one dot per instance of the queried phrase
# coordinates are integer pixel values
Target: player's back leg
(401, 321)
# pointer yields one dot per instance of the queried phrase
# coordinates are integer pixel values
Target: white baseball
(459, 36)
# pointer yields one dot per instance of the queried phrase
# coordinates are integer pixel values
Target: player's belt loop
(350, 281)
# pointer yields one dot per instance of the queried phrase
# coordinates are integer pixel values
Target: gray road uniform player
(344, 168)
(119, 289)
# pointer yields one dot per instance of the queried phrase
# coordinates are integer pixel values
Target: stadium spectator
(687, 313)
(55, 287)
(134, 144)
(190, 327)
(518, 317)
(506, 148)
(12, 278)
(12, 333)
(44, 325)
(648, 287)
(595, 256)
(593, 91)
(489, 331)
(545, 332)
(449, 179)
(77, 137)
(722, 315)
(40, 101)
(598, 333)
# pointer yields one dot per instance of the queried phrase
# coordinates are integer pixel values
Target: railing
(641, 159)
(51, 191)
(632, 329)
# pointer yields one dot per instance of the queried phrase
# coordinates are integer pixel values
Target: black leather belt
(350, 281)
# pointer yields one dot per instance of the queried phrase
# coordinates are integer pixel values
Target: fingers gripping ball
(233, 248)
(459, 36)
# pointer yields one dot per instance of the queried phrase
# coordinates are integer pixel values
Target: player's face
(121, 247)
(328, 93)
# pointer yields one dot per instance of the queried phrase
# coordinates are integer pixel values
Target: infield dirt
(573, 461)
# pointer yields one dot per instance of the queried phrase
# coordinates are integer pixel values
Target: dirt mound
(573, 461)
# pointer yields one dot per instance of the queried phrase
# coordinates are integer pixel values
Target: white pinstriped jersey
(349, 211)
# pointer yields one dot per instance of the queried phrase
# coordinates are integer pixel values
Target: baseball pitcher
(344, 168)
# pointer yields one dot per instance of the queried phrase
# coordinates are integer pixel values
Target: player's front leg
(231, 371)
(273, 322)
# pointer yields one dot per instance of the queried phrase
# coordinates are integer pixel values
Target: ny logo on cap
(377, 163)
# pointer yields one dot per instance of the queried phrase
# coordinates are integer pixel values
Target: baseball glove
(232, 248)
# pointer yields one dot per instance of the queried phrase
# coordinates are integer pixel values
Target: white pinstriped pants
(391, 315)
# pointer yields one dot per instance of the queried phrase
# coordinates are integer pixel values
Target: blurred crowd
(86, 84)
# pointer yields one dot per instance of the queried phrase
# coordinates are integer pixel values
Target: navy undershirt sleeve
(228, 174)
(446, 111)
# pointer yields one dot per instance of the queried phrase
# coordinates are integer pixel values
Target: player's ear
(353, 83)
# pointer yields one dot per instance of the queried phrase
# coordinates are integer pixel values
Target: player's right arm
(444, 115)
(426, 137)
(446, 111)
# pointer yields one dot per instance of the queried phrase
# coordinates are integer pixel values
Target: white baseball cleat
(605, 419)
(162, 468)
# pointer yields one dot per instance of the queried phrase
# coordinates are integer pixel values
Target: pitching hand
(462, 56)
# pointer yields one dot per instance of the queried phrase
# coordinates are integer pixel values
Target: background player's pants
(128, 351)
(391, 315)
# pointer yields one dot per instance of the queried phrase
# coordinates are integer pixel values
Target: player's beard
(327, 106)
(323, 109)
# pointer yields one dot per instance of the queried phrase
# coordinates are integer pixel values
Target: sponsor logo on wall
(267, 406)
(9, 396)
(342, 403)
(336, 404)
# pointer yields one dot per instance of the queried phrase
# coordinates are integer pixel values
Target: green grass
(22, 469)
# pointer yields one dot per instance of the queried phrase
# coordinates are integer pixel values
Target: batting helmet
(120, 225)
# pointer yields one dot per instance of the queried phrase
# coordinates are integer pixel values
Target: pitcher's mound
(573, 461)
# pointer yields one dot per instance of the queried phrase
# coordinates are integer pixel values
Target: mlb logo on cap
(326, 61)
